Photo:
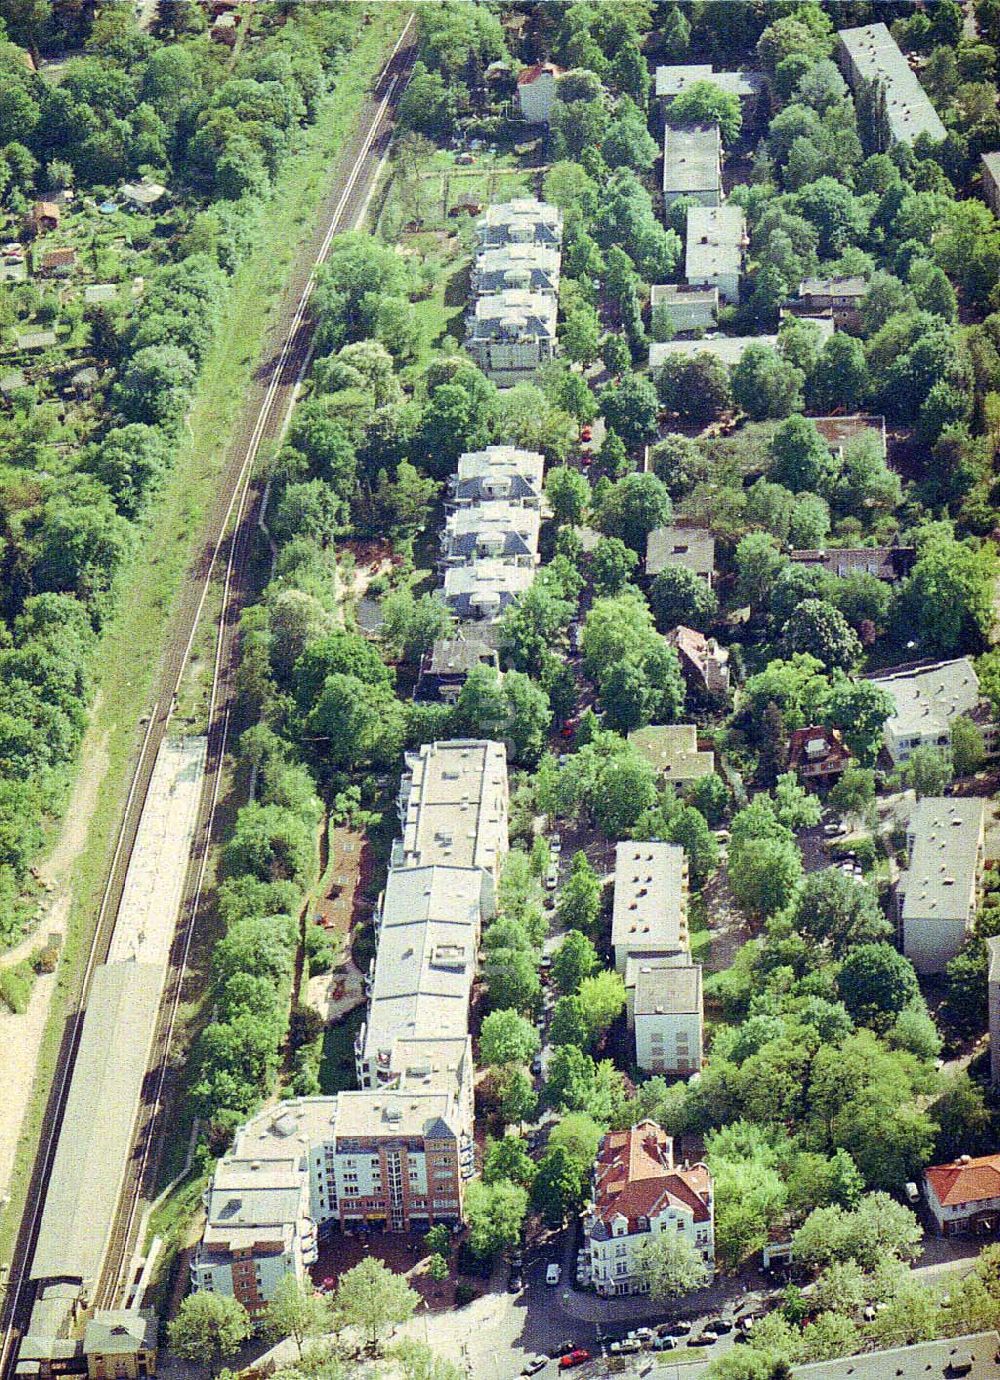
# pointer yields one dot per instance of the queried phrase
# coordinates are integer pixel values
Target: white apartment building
(938, 893)
(639, 1194)
(692, 164)
(521, 221)
(482, 590)
(665, 1012)
(649, 915)
(498, 472)
(511, 334)
(533, 267)
(716, 243)
(927, 698)
(899, 106)
(494, 530)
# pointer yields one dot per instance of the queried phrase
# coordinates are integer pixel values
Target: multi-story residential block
(692, 164)
(452, 804)
(889, 92)
(396, 1154)
(993, 995)
(928, 697)
(639, 1194)
(498, 472)
(420, 980)
(728, 349)
(521, 221)
(685, 307)
(938, 893)
(964, 1196)
(976, 1356)
(671, 80)
(495, 530)
(649, 916)
(480, 591)
(511, 334)
(840, 296)
(691, 547)
(991, 181)
(531, 267)
(259, 1225)
(715, 249)
(666, 1015)
(672, 751)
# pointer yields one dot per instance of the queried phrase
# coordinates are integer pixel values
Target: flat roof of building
(481, 580)
(687, 294)
(937, 1360)
(691, 547)
(96, 1134)
(876, 56)
(666, 989)
(928, 697)
(715, 241)
(692, 157)
(836, 286)
(499, 460)
(497, 518)
(672, 79)
(672, 750)
(382, 1112)
(453, 800)
(946, 833)
(516, 307)
(650, 904)
(457, 656)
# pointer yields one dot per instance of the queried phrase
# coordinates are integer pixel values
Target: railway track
(230, 538)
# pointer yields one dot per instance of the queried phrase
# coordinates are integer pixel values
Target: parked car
(534, 1365)
(562, 1348)
(574, 1358)
(627, 1346)
(665, 1343)
(718, 1325)
(555, 843)
(552, 877)
(703, 1339)
(536, 1065)
(553, 1273)
(644, 1334)
(516, 1282)
(680, 1327)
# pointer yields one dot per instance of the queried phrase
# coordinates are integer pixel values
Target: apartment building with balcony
(533, 267)
(511, 334)
(524, 220)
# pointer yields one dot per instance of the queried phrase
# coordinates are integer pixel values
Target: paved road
(228, 546)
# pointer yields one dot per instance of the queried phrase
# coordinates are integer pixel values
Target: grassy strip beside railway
(167, 541)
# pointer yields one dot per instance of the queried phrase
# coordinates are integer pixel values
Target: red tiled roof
(966, 1180)
(531, 74)
(635, 1177)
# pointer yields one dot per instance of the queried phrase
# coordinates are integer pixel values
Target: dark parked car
(516, 1282)
(562, 1349)
(703, 1339)
(679, 1328)
(718, 1326)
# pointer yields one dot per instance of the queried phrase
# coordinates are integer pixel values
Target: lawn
(168, 539)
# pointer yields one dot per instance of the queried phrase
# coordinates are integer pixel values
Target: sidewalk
(587, 1307)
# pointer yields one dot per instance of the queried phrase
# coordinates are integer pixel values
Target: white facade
(926, 699)
(715, 245)
(940, 888)
(665, 1007)
(511, 334)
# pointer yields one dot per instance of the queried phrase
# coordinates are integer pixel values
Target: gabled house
(818, 754)
(889, 563)
(965, 1196)
(639, 1194)
(537, 87)
(672, 751)
(446, 666)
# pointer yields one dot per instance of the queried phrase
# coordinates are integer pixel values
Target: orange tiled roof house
(964, 1196)
(639, 1192)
